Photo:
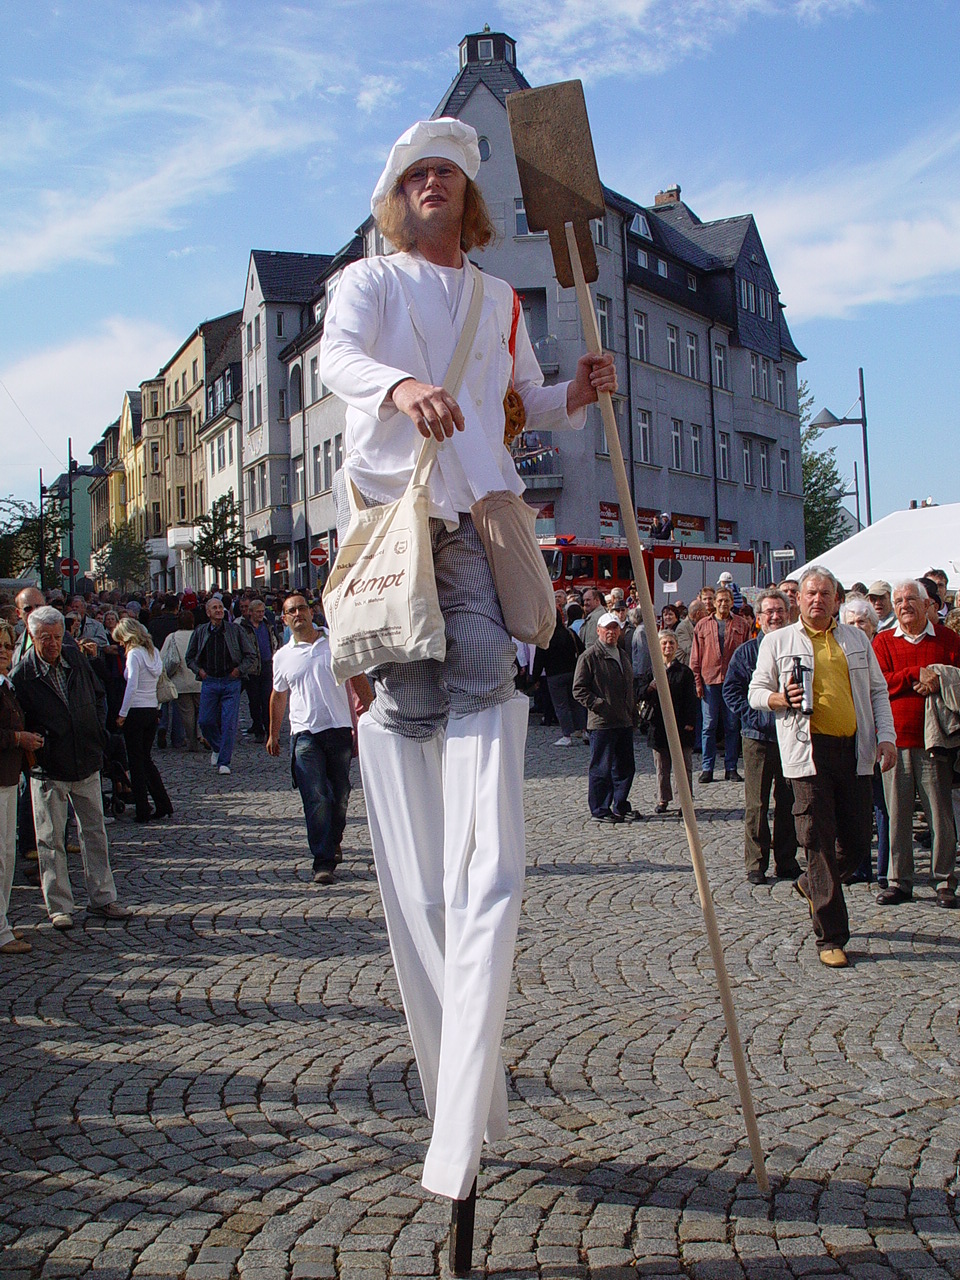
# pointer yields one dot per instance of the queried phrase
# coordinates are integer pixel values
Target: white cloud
(885, 230)
(565, 38)
(75, 389)
(377, 91)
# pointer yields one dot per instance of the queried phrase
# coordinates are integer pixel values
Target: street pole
(866, 455)
(40, 530)
(73, 576)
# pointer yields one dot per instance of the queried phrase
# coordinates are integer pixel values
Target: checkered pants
(415, 698)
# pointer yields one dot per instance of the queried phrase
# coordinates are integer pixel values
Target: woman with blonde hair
(139, 713)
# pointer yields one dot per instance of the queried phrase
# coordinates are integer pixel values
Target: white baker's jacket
(376, 334)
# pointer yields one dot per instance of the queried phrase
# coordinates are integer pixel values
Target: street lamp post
(825, 419)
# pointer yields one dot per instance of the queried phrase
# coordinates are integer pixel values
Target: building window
(483, 146)
(262, 478)
(763, 303)
(259, 404)
(720, 365)
(642, 257)
(298, 477)
(181, 502)
(521, 218)
(314, 379)
(640, 334)
(603, 320)
(155, 401)
(764, 465)
(228, 385)
(696, 456)
(196, 374)
(283, 403)
(283, 488)
(693, 356)
(256, 330)
(252, 490)
(640, 227)
(157, 520)
(181, 435)
(784, 471)
(764, 379)
(600, 232)
(485, 50)
(754, 374)
(747, 464)
(781, 389)
(250, 410)
(662, 268)
(230, 446)
(249, 337)
(676, 439)
(279, 324)
(155, 455)
(318, 485)
(691, 282)
(221, 453)
(176, 390)
(643, 435)
(673, 348)
(213, 465)
(723, 455)
(168, 397)
(338, 451)
(327, 464)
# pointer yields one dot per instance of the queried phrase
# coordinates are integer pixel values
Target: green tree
(124, 558)
(219, 541)
(20, 538)
(823, 524)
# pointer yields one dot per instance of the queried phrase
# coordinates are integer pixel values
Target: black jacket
(561, 654)
(683, 695)
(241, 646)
(74, 731)
(604, 685)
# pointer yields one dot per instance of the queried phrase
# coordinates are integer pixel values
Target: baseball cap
(608, 620)
(878, 588)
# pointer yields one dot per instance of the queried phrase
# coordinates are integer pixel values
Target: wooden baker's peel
(561, 194)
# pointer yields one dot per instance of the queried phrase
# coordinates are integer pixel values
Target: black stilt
(461, 1233)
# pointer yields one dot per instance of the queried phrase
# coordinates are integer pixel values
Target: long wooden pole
(591, 333)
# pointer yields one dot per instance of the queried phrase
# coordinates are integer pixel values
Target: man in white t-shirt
(321, 733)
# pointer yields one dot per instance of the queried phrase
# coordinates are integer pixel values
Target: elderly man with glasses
(321, 729)
(63, 701)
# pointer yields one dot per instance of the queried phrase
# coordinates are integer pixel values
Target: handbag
(381, 598)
(506, 525)
(166, 689)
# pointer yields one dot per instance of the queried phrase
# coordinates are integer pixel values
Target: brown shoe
(16, 947)
(108, 910)
(834, 957)
(798, 888)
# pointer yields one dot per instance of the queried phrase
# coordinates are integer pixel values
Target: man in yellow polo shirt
(830, 738)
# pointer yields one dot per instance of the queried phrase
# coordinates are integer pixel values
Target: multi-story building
(221, 442)
(183, 401)
(278, 285)
(708, 409)
(108, 493)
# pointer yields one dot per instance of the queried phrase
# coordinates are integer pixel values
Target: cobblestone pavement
(223, 1086)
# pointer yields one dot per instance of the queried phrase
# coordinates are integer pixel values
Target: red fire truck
(675, 570)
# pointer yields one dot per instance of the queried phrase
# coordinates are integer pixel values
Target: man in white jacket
(441, 750)
(828, 747)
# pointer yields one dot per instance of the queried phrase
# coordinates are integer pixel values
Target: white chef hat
(444, 137)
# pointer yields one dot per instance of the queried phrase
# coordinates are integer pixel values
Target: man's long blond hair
(393, 219)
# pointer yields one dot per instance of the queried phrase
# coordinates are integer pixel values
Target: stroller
(115, 786)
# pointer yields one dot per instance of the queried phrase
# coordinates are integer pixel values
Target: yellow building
(130, 451)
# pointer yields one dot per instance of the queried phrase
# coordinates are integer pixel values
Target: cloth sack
(166, 689)
(506, 527)
(381, 598)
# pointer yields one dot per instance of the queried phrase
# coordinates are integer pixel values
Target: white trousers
(50, 799)
(451, 878)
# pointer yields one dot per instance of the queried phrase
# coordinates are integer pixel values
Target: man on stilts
(442, 748)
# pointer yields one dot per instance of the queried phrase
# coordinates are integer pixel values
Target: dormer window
(640, 227)
(508, 50)
(485, 50)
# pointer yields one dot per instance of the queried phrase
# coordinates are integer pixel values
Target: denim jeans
(713, 707)
(219, 709)
(321, 770)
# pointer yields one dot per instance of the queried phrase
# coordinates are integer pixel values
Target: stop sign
(68, 567)
(318, 556)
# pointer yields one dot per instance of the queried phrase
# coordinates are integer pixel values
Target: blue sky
(146, 148)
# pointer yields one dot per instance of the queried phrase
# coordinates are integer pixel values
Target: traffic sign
(69, 567)
(787, 553)
(318, 556)
(670, 570)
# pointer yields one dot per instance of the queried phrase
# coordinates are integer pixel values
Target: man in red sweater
(904, 653)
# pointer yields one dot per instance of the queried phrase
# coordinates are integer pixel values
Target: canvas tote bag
(381, 597)
(506, 525)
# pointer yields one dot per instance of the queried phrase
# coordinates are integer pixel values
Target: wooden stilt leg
(461, 1233)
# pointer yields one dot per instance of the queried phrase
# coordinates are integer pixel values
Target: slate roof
(499, 77)
(722, 240)
(136, 412)
(221, 342)
(288, 277)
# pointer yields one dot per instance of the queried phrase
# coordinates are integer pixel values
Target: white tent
(901, 545)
